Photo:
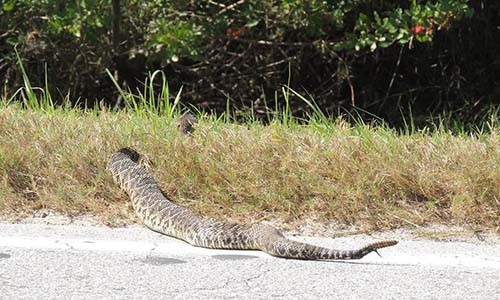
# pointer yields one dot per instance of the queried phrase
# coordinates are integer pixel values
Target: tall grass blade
(115, 83)
(30, 99)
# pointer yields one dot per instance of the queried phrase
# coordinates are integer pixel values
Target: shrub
(380, 56)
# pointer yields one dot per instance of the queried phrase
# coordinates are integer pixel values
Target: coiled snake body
(160, 214)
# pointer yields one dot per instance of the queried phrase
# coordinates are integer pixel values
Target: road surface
(83, 262)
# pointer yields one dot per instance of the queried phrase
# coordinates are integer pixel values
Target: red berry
(418, 29)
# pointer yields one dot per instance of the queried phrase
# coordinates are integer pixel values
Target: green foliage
(420, 21)
(240, 51)
(76, 17)
(181, 28)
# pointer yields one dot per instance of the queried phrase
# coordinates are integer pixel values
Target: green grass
(366, 175)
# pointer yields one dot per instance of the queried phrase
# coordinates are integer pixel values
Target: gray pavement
(83, 262)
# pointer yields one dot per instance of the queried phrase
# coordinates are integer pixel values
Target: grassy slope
(368, 176)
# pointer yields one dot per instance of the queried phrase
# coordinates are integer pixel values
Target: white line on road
(170, 246)
(178, 248)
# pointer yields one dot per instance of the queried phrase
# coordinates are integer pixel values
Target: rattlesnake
(160, 214)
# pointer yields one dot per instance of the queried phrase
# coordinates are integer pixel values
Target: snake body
(160, 214)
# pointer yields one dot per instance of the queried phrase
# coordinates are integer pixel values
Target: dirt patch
(50, 217)
(305, 227)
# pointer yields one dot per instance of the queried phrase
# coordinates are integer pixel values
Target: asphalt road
(82, 262)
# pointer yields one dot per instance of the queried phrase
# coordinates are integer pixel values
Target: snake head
(131, 153)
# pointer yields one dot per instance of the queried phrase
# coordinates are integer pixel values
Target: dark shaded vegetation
(419, 58)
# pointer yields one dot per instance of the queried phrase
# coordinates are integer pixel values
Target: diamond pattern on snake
(162, 215)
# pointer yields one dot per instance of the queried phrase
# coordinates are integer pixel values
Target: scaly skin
(162, 215)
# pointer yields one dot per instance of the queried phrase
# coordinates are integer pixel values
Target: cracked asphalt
(83, 262)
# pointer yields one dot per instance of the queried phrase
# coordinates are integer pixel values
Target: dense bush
(381, 56)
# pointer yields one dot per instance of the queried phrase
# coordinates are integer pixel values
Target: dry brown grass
(368, 176)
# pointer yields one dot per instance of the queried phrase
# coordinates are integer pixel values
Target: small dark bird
(185, 123)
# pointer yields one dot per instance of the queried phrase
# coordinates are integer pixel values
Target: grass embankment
(365, 175)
